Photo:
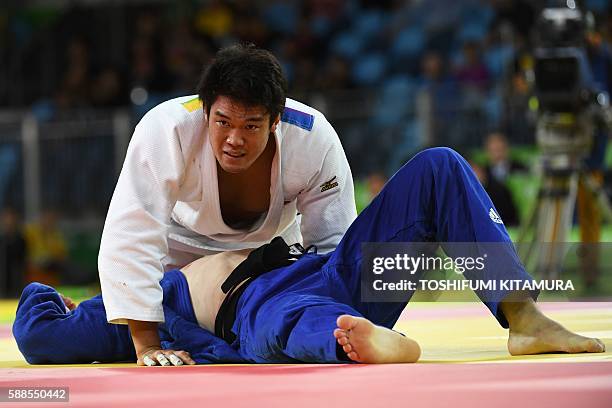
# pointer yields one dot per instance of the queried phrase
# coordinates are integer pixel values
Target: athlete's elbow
(30, 342)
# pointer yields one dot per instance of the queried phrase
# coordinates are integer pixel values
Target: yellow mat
(475, 336)
(447, 333)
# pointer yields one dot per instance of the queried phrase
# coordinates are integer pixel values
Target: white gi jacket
(166, 202)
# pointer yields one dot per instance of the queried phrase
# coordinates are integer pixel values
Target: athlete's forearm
(144, 336)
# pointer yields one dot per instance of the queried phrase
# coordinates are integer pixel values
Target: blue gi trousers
(289, 314)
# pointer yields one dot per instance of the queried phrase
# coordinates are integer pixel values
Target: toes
(353, 356)
(599, 346)
(343, 341)
(346, 322)
(347, 348)
(586, 346)
(338, 333)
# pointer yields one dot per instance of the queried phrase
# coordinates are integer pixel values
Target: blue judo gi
(289, 314)
(47, 333)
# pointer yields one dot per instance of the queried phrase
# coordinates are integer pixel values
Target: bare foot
(365, 342)
(533, 333)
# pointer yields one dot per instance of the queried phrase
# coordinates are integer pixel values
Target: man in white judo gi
(228, 169)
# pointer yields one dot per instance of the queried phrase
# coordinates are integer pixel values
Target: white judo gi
(165, 210)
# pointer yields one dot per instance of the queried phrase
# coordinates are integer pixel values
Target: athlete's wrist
(144, 336)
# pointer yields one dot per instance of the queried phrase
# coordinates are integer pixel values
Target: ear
(275, 124)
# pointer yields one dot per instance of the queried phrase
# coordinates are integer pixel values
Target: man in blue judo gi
(266, 307)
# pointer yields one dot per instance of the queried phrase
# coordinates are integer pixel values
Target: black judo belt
(267, 257)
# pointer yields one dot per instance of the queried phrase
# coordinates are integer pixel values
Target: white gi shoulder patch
(495, 217)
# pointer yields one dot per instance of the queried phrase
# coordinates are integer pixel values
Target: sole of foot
(365, 342)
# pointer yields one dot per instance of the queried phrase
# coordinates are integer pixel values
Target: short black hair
(247, 74)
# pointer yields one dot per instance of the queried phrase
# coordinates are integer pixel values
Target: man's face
(497, 149)
(238, 133)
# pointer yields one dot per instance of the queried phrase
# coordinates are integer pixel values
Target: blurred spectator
(519, 13)
(147, 71)
(499, 194)
(304, 73)
(600, 62)
(499, 165)
(306, 40)
(215, 20)
(149, 76)
(251, 27)
(589, 211)
(280, 16)
(437, 101)
(335, 74)
(74, 87)
(12, 254)
(518, 120)
(180, 59)
(107, 89)
(47, 252)
(367, 188)
(331, 10)
(375, 182)
(472, 71)
(473, 79)
(432, 69)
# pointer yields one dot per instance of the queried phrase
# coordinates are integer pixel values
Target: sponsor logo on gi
(328, 185)
(495, 217)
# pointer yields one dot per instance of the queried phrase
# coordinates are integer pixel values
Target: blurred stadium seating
(392, 77)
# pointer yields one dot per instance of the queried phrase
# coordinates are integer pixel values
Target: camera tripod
(564, 141)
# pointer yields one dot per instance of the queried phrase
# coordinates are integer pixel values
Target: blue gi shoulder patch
(297, 118)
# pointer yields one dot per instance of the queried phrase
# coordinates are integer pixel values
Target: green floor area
(7, 311)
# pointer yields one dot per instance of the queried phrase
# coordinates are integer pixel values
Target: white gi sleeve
(134, 240)
(327, 204)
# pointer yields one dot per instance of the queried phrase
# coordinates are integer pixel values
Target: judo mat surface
(464, 363)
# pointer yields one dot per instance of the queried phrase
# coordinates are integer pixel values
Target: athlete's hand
(157, 356)
(68, 302)
(148, 347)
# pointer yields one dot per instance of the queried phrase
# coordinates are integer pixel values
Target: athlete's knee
(431, 163)
(440, 155)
